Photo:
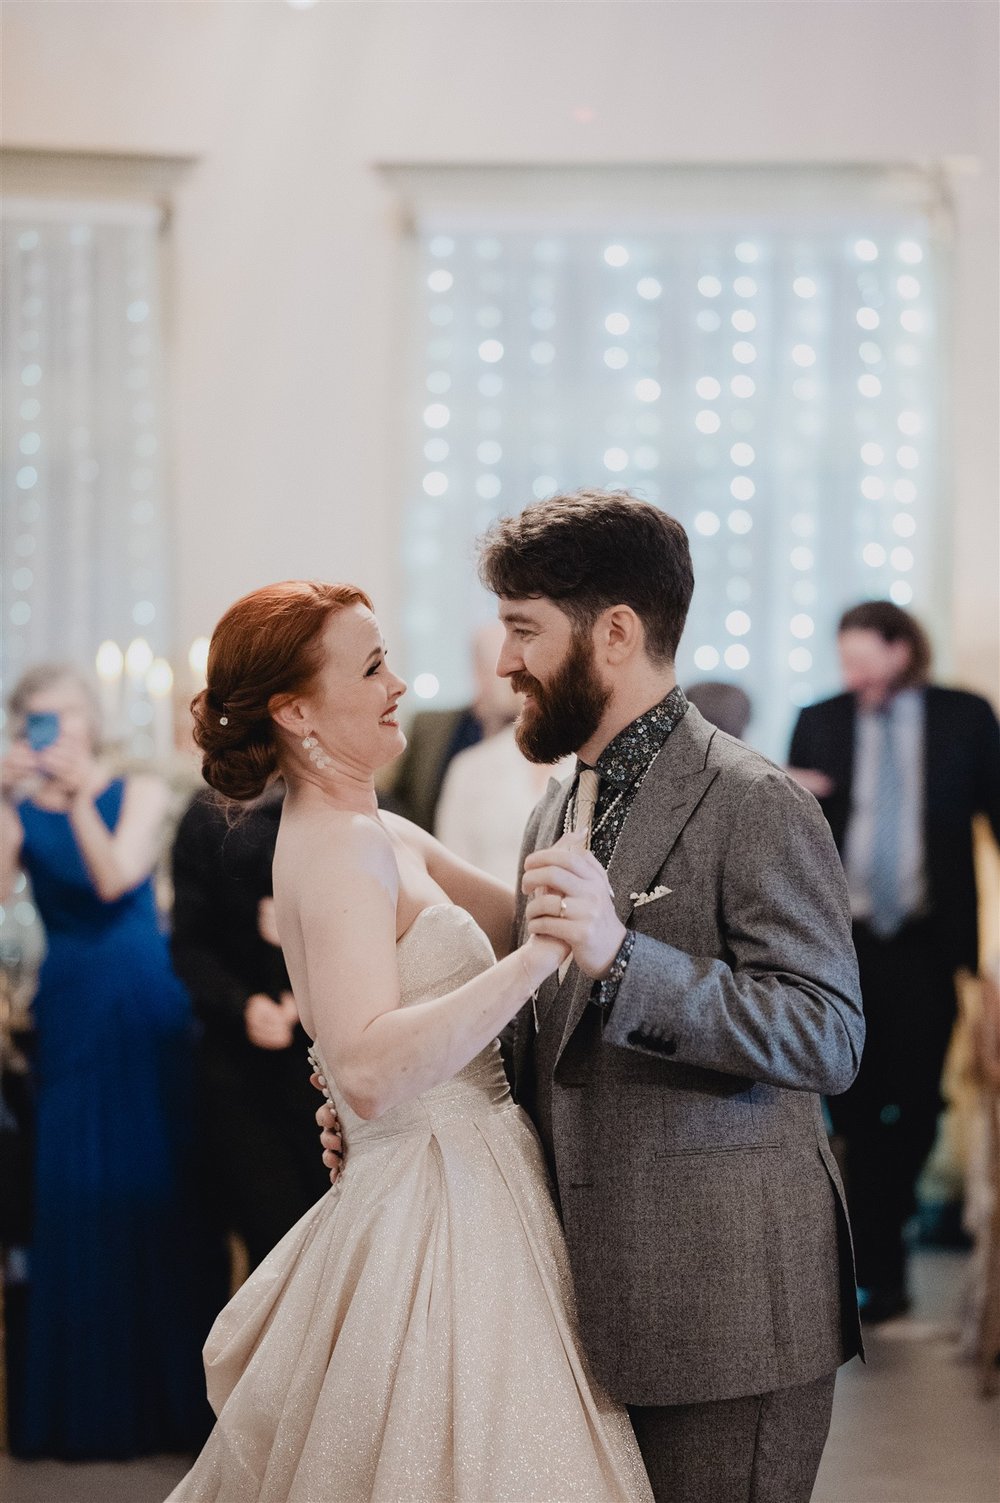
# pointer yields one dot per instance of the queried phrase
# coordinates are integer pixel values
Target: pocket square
(638, 898)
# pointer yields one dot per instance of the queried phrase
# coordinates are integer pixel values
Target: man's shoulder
(749, 787)
(960, 701)
(836, 705)
(739, 766)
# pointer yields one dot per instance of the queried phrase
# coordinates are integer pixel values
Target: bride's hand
(330, 1134)
(544, 946)
(541, 952)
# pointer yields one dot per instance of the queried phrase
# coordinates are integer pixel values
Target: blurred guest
(980, 1334)
(489, 792)
(226, 950)
(900, 767)
(435, 737)
(112, 1366)
(726, 706)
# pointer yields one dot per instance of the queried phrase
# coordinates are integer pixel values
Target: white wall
(285, 361)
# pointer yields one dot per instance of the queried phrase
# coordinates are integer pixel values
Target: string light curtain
(85, 557)
(773, 381)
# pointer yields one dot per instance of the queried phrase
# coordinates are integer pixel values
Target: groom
(674, 1070)
(674, 1074)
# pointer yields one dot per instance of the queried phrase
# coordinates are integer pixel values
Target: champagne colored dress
(412, 1339)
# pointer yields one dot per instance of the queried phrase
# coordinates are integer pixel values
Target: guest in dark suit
(900, 767)
(254, 1071)
(435, 737)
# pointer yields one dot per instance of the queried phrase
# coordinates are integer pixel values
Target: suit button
(637, 1038)
(669, 1046)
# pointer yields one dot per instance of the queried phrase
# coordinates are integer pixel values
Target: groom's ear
(287, 710)
(620, 633)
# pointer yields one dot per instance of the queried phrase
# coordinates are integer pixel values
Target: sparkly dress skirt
(413, 1338)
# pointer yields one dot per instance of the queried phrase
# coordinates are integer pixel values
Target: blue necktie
(887, 911)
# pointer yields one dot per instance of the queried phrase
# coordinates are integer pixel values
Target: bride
(412, 1339)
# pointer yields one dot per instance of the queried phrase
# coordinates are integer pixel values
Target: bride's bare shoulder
(406, 831)
(339, 840)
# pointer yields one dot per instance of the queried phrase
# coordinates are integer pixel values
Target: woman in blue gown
(116, 1278)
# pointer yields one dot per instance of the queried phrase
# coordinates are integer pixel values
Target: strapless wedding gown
(413, 1338)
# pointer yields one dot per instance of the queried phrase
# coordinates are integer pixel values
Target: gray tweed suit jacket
(703, 1209)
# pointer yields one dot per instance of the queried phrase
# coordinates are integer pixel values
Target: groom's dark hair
(587, 550)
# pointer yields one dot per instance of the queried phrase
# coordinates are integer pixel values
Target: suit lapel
(671, 791)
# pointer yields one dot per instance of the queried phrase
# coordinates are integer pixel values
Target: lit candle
(110, 665)
(160, 685)
(198, 662)
(138, 710)
(138, 659)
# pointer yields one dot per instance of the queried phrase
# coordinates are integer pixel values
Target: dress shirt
(621, 767)
(906, 712)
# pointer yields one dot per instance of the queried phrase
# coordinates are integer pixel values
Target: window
(85, 557)
(768, 374)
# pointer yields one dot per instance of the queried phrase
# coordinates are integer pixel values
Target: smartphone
(41, 730)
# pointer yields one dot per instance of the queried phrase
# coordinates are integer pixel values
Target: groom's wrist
(604, 992)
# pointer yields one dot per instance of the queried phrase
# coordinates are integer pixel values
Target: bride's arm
(490, 901)
(380, 1053)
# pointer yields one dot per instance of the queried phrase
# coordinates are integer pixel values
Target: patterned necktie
(887, 913)
(583, 819)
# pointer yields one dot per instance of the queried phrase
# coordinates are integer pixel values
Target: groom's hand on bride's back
(329, 1133)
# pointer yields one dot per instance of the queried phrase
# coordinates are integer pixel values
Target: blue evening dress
(116, 1306)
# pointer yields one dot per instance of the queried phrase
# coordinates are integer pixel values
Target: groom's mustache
(523, 683)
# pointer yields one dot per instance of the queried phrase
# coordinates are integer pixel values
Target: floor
(907, 1428)
(908, 1425)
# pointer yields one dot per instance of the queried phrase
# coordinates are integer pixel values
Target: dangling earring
(317, 756)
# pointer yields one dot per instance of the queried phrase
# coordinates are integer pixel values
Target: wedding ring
(562, 908)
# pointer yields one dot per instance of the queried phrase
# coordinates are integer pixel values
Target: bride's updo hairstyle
(266, 647)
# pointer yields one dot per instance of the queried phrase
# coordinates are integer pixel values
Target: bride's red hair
(267, 644)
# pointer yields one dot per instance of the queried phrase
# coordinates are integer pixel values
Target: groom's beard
(561, 716)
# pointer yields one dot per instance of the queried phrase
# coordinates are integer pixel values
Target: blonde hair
(43, 676)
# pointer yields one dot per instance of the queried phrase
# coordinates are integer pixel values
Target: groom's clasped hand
(570, 898)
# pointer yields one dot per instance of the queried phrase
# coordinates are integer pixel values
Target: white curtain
(85, 556)
(772, 378)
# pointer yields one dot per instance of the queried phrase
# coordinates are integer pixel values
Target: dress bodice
(443, 948)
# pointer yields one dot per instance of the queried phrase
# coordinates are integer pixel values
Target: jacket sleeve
(215, 990)
(784, 1005)
(986, 739)
(801, 752)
